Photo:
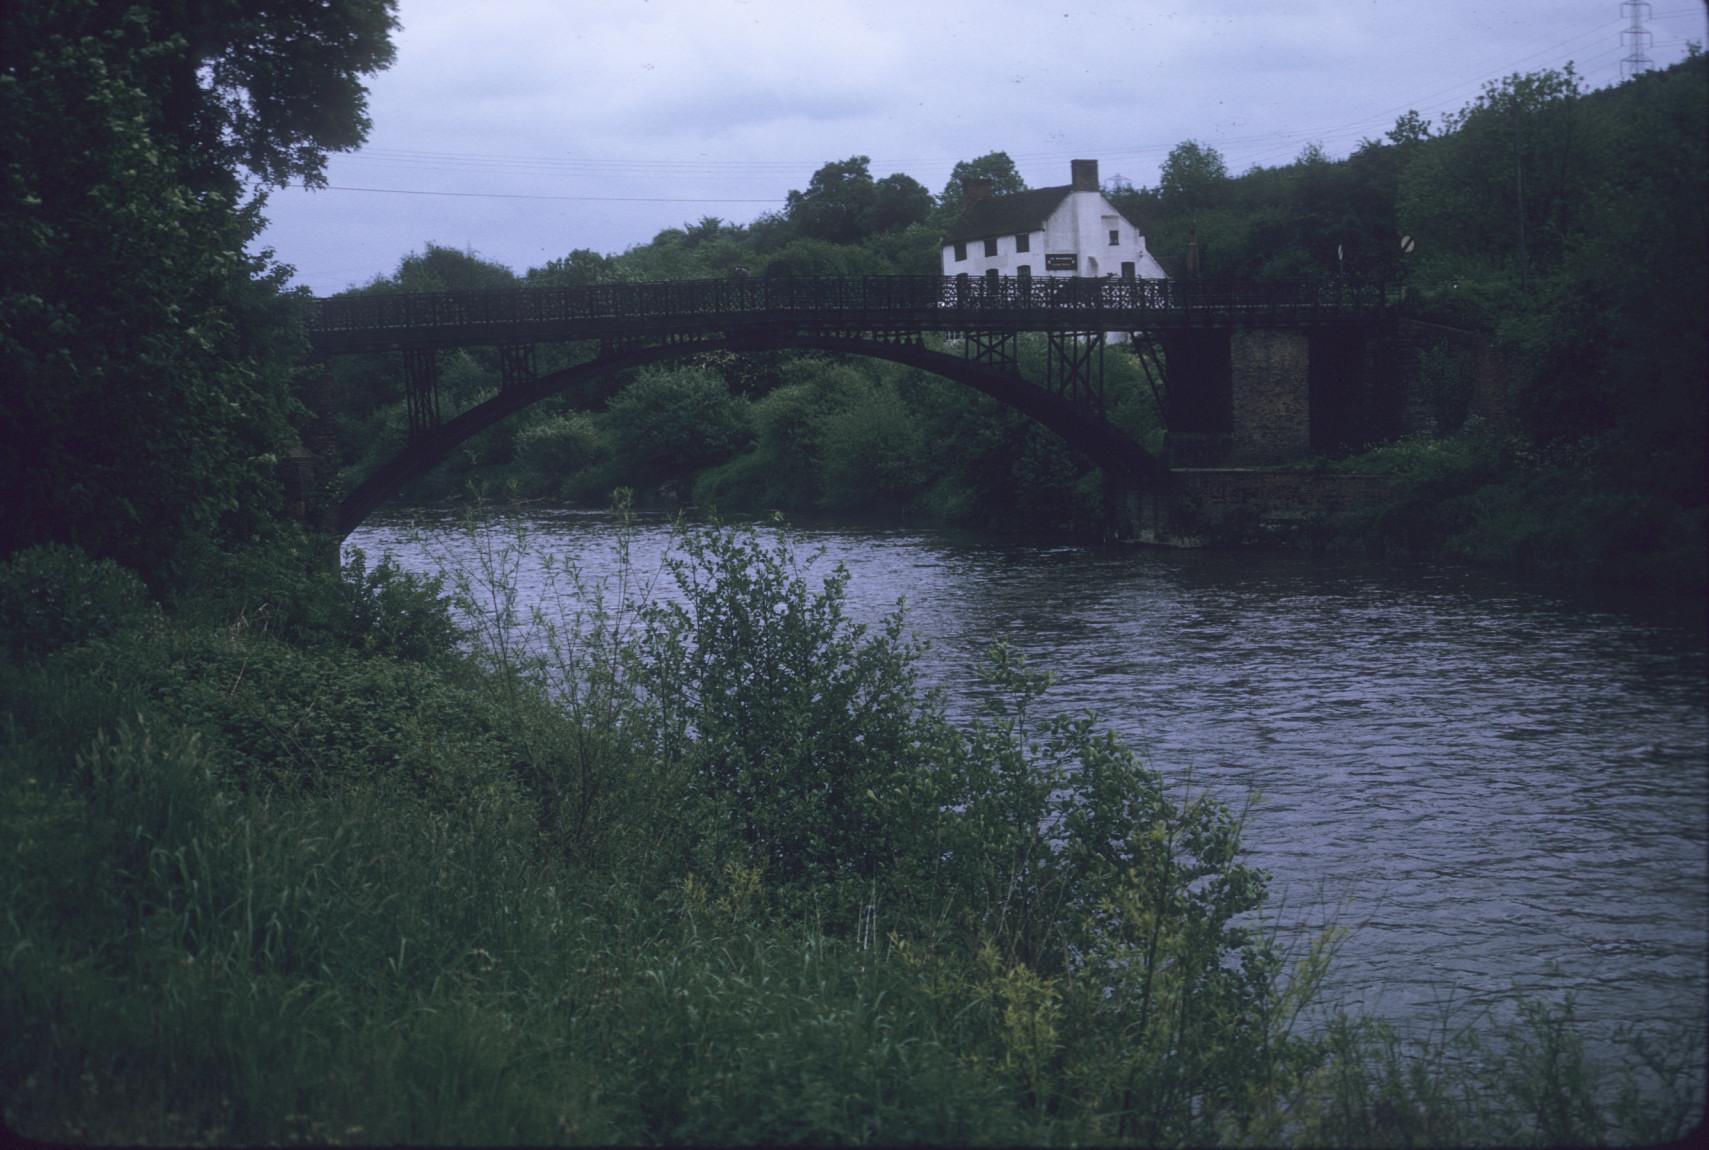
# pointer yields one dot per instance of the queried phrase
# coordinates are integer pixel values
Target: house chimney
(1085, 175)
(974, 189)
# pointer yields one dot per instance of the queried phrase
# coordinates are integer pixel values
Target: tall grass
(628, 867)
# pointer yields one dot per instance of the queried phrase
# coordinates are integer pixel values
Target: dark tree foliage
(581, 267)
(670, 423)
(263, 86)
(899, 201)
(145, 354)
(838, 203)
(440, 268)
(1193, 174)
(995, 167)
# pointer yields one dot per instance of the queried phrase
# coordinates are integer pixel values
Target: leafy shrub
(746, 482)
(801, 730)
(287, 587)
(313, 717)
(560, 446)
(668, 424)
(395, 612)
(53, 596)
(1460, 461)
(873, 452)
(1446, 375)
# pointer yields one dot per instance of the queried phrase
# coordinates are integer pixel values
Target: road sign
(1406, 243)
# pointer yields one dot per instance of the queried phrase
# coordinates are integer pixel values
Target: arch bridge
(1235, 367)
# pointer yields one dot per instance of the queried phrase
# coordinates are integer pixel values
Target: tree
(996, 167)
(581, 267)
(146, 354)
(441, 268)
(899, 201)
(670, 422)
(1192, 175)
(1410, 128)
(837, 205)
(266, 86)
(1496, 187)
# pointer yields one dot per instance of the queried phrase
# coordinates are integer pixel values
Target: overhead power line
(1263, 146)
(525, 196)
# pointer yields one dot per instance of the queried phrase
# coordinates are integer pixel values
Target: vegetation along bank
(288, 857)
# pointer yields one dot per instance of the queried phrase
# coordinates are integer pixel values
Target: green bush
(669, 423)
(560, 446)
(873, 452)
(745, 483)
(286, 586)
(53, 596)
(800, 729)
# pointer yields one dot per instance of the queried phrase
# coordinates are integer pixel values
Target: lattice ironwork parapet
(888, 304)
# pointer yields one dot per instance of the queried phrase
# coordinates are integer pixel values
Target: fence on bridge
(889, 303)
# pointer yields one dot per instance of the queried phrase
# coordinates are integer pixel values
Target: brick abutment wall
(1269, 372)
(1237, 505)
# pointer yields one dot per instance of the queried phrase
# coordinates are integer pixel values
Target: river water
(1494, 786)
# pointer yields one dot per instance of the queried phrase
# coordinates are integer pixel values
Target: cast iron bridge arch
(882, 316)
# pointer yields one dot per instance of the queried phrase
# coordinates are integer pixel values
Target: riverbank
(639, 922)
(1477, 497)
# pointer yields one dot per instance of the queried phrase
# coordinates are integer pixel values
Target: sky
(521, 130)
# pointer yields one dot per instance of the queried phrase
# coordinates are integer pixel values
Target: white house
(1070, 230)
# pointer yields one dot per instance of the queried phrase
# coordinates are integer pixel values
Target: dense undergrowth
(292, 859)
(1485, 495)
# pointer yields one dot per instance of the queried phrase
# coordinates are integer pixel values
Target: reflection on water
(1498, 785)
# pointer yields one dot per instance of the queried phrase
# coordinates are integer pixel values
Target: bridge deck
(888, 304)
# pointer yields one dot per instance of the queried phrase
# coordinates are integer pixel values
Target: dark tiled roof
(1016, 212)
(1005, 215)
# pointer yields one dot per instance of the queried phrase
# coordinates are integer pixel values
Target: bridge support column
(996, 348)
(421, 389)
(1074, 368)
(1270, 386)
(515, 365)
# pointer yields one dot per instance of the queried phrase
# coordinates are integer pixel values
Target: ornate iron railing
(925, 303)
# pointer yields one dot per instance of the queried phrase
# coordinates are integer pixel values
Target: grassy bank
(290, 859)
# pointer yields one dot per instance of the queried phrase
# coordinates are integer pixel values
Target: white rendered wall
(1076, 228)
(1006, 261)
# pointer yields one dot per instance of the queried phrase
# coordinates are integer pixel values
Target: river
(1495, 786)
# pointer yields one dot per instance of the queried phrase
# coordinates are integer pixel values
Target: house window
(1024, 272)
(960, 251)
(1115, 237)
(1023, 242)
(991, 246)
(1128, 270)
(991, 279)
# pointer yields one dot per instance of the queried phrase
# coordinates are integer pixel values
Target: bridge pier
(1270, 394)
(1264, 396)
